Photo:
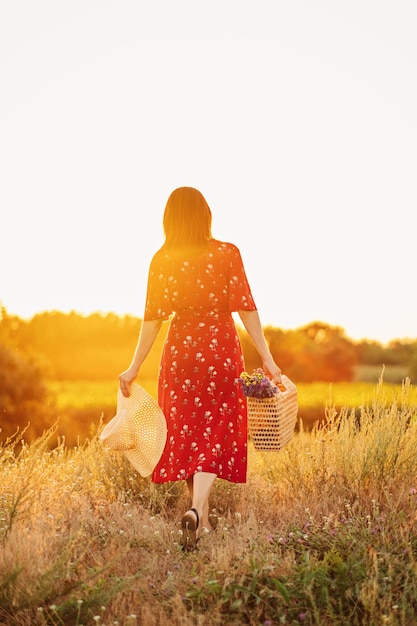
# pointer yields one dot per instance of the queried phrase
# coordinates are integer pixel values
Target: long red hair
(187, 220)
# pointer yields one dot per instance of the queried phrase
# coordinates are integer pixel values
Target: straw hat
(138, 429)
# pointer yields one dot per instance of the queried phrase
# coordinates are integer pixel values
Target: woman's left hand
(126, 378)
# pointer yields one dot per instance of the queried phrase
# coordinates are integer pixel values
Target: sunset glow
(297, 123)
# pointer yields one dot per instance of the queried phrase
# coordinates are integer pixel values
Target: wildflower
(257, 384)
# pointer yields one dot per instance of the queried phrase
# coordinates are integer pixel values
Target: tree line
(70, 346)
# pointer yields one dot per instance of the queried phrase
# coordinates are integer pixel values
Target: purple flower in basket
(257, 384)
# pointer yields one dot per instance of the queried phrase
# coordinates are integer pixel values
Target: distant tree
(316, 352)
(413, 365)
(395, 353)
(24, 394)
(398, 357)
(283, 346)
(92, 347)
(370, 352)
(11, 327)
(400, 352)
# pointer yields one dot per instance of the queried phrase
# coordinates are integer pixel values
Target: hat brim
(138, 430)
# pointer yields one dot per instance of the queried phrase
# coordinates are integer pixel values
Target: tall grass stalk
(323, 532)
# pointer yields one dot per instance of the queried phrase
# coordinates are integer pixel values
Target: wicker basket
(271, 421)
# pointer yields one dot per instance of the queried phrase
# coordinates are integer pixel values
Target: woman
(201, 281)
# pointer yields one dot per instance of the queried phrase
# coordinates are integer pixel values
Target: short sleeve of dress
(240, 295)
(158, 303)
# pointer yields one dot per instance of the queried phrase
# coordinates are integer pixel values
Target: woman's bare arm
(252, 324)
(148, 333)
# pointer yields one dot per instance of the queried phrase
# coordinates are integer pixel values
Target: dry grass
(322, 533)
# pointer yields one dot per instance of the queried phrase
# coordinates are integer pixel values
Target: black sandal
(189, 526)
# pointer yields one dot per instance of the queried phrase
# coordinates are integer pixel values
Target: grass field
(80, 394)
(323, 533)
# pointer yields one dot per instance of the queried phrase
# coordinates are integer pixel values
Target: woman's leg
(199, 487)
(190, 481)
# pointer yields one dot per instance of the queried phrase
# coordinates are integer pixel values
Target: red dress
(202, 358)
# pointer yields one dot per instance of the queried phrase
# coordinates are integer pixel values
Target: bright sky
(296, 119)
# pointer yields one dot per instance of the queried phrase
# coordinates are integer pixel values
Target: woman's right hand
(272, 370)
